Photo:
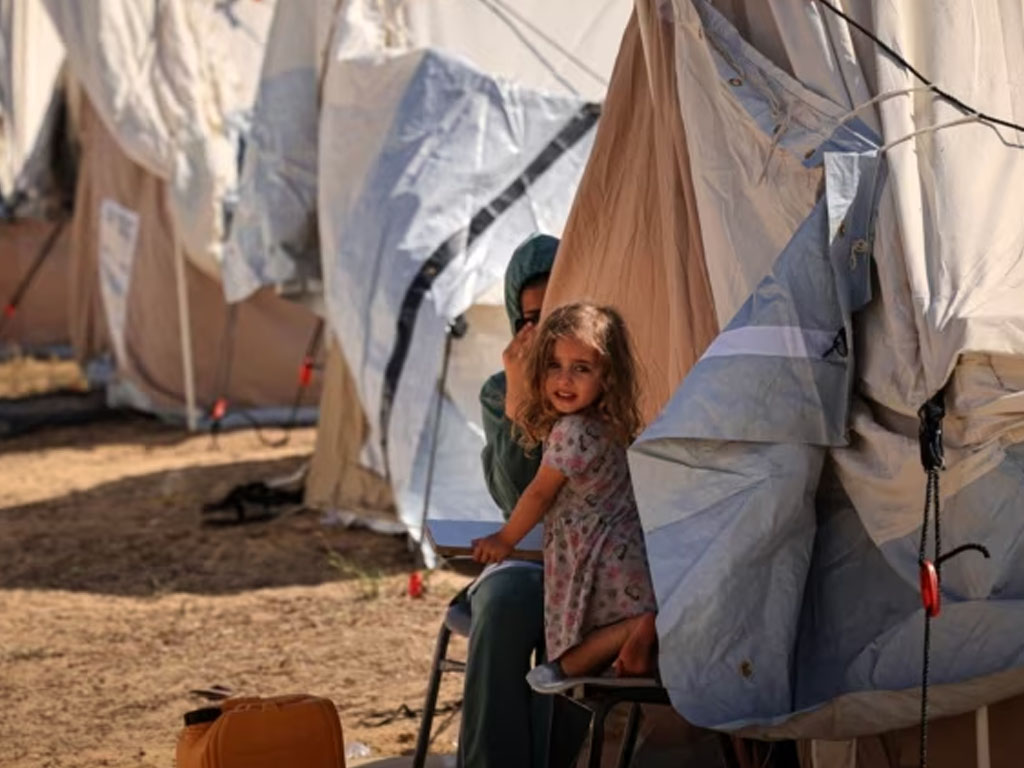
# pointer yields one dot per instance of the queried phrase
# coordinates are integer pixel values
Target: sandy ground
(116, 600)
(21, 376)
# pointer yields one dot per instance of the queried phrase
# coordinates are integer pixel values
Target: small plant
(369, 581)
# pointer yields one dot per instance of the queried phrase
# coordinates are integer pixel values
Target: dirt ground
(116, 600)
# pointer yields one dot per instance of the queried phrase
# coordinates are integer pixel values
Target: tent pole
(185, 330)
(441, 384)
(981, 738)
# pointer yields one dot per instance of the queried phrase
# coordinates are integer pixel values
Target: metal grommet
(842, 228)
(776, 128)
(859, 247)
(809, 154)
(735, 81)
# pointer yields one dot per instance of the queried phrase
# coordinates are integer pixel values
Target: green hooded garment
(507, 467)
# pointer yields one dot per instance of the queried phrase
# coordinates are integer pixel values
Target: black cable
(983, 550)
(308, 359)
(913, 70)
(222, 380)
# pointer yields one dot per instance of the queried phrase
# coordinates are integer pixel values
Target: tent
(431, 139)
(35, 180)
(809, 243)
(167, 89)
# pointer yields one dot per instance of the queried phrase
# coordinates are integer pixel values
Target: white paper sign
(119, 230)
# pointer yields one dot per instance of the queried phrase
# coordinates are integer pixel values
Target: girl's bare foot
(637, 657)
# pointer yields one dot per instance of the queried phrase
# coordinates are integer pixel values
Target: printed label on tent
(119, 230)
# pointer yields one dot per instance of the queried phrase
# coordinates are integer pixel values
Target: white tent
(446, 133)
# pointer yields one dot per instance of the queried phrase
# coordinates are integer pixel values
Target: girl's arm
(530, 509)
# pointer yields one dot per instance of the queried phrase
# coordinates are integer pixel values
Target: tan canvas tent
(802, 269)
(140, 323)
(39, 321)
(164, 94)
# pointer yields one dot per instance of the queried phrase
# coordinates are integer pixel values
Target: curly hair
(603, 330)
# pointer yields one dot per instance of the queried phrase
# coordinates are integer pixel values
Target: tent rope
(930, 571)
(13, 304)
(308, 365)
(945, 95)
(223, 379)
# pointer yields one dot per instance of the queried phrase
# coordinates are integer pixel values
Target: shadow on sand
(145, 536)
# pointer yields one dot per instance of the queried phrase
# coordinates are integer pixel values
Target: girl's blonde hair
(603, 330)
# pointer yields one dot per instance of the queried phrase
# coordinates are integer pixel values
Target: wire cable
(305, 378)
(946, 95)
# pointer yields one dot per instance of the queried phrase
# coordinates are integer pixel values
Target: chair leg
(430, 703)
(629, 737)
(597, 733)
(729, 746)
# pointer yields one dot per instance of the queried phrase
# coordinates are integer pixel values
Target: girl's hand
(491, 549)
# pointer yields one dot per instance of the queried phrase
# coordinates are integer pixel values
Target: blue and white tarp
(781, 488)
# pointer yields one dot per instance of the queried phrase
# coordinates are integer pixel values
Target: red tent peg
(219, 409)
(931, 599)
(306, 372)
(415, 584)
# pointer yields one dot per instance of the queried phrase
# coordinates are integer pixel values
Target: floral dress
(595, 560)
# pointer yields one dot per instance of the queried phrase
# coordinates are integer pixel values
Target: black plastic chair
(457, 620)
(601, 698)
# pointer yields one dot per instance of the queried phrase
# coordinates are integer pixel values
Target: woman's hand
(515, 359)
(491, 549)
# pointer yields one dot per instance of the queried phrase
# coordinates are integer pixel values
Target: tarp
(31, 56)
(274, 238)
(433, 167)
(854, 267)
(172, 81)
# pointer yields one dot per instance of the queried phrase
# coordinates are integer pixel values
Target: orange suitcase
(277, 732)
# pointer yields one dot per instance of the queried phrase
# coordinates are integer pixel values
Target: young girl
(598, 600)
